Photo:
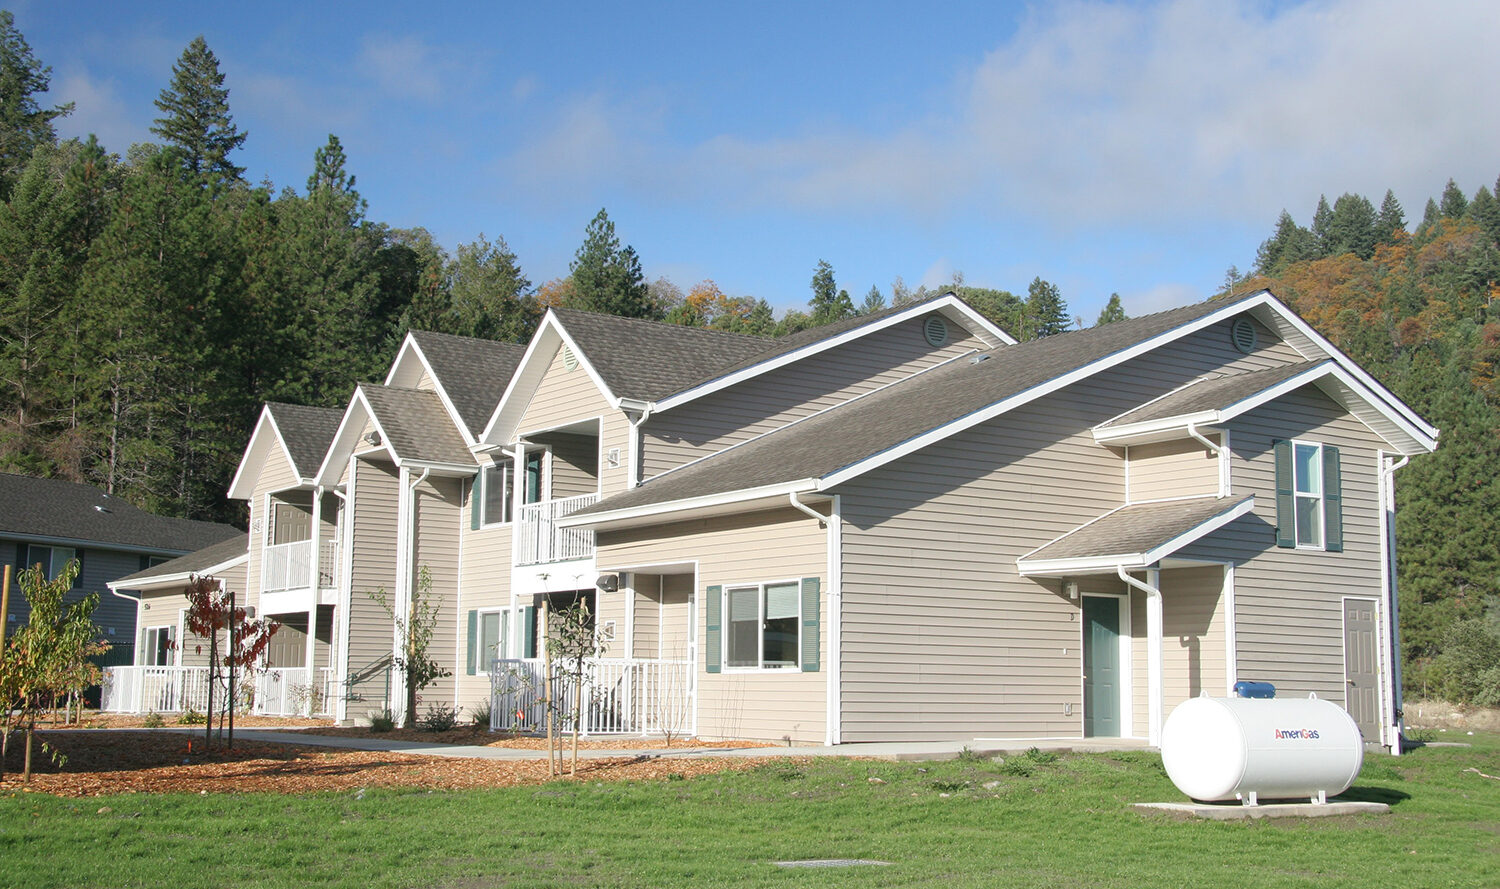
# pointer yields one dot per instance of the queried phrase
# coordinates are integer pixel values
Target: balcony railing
(620, 696)
(278, 691)
(539, 540)
(288, 566)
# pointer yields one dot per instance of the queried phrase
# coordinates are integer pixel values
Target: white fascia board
(179, 578)
(86, 543)
(635, 514)
(1153, 430)
(947, 304)
(1428, 431)
(358, 406)
(255, 453)
(439, 468)
(411, 345)
(1128, 561)
(912, 445)
(549, 337)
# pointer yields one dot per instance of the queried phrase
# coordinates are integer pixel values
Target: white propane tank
(1218, 749)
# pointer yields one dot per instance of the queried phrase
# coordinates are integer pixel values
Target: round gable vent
(570, 361)
(935, 329)
(1242, 334)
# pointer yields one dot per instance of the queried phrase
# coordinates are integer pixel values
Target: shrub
(1470, 654)
(191, 717)
(153, 720)
(382, 721)
(438, 718)
(479, 717)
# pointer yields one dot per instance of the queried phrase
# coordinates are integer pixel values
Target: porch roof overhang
(177, 579)
(1134, 536)
(747, 500)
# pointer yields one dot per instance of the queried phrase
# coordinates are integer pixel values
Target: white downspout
(1389, 646)
(798, 504)
(338, 660)
(139, 622)
(633, 459)
(1153, 650)
(835, 598)
(315, 581)
(1218, 452)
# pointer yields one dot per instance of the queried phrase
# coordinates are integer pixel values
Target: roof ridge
(559, 310)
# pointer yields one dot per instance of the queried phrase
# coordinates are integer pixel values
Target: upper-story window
(1309, 512)
(52, 558)
(535, 476)
(496, 488)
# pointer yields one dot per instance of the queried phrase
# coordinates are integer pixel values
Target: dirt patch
(481, 737)
(110, 762)
(1436, 715)
(92, 720)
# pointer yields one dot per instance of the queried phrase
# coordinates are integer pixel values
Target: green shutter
(809, 625)
(1286, 505)
(713, 608)
(1333, 502)
(529, 644)
(473, 640)
(476, 500)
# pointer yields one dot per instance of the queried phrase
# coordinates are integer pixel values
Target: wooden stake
(4, 608)
(552, 755)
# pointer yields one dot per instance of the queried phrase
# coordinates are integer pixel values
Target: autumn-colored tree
(213, 615)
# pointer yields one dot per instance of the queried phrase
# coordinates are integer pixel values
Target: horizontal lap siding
(574, 463)
(750, 548)
(773, 399)
(562, 397)
(647, 623)
(1288, 602)
(438, 510)
(1183, 468)
(485, 577)
(942, 638)
(376, 487)
(676, 633)
(276, 474)
(1193, 649)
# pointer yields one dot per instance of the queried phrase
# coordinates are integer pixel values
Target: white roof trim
(540, 345)
(437, 382)
(631, 514)
(1109, 562)
(266, 418)
(1263, 298)
(1136, 433)
(178, 578)
(945, 304)
(347, 428)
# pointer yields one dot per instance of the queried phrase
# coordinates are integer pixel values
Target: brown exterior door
(1361, 675)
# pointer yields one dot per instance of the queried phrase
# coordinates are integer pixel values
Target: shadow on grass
(1385, 795)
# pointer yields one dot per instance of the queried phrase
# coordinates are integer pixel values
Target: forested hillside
(1421, 311)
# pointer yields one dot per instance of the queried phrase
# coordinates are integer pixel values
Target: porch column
(315, 580)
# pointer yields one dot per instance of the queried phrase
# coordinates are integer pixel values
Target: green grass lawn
(1067, 823)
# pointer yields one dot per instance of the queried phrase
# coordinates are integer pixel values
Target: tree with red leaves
(211, 612)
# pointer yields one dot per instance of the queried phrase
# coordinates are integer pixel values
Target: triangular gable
(550, 337)
(460, 370)
(265, 437)
(365, 430)
(408, 372)
(349, 440)
(948, 305)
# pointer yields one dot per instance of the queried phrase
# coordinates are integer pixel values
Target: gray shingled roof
(42, 507)
(192, 563)
(1137, 528)
(473, 372)
(416, 424)
(849, 433)
(1212, 394)
(649, 360)
(307, 431)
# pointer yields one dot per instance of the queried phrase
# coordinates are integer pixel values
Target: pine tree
(874, 301)
(1291, 243)
(196, 116)
(23, 123)
(1351, 228)
(1046, 311)
(1453, 203)
(1390, 220)
(491, 297)
(828, 303)
(1113, 311)
(607, 278)
(1485, 211)
(1322, 219)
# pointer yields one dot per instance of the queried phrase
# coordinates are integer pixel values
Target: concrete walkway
(898, 752)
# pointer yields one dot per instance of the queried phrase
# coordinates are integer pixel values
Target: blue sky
(1133, 147)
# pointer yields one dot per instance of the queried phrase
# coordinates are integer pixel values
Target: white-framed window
(1308, 489)
(52, 559)
(494, 638)
(536, 481)
(496, 487)
(160, 644)
(762, 626)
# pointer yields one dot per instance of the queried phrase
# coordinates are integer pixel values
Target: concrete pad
(1237, 812)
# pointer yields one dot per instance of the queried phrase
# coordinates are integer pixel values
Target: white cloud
(406, 67)
(97, 109)
(1103, 113)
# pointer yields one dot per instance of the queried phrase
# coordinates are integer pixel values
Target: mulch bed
(111, 762)
(482, 737)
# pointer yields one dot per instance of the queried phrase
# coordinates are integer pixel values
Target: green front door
(1101, 666)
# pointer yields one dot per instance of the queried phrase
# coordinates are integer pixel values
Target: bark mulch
(110, 762)
(483, 737)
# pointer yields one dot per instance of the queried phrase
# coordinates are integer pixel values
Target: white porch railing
(279, 691)
(288, 566)
(620, 696)
(538, 539)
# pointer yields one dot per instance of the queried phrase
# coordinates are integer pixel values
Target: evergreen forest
(150, 302)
